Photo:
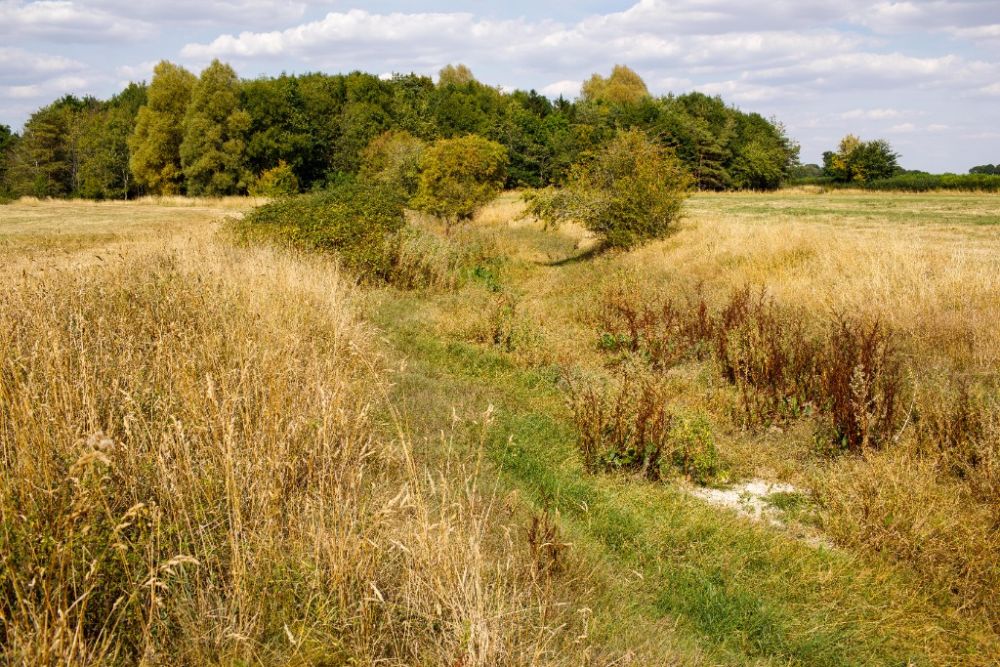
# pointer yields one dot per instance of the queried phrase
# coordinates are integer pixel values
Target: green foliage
(860, 162)
(623, 86)
(358, 222)
(455, 75)
(46, 159)
(628, 193)
(155, 143)
(988, 169)
(7, 142)
(459, 176)
(392, 159)
(915, 182)
(213, 151)
(278, 181)
(105, 171)
(320, 126)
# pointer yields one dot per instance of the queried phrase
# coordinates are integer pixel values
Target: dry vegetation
(200, 467)
(904, 289)
(209, 457)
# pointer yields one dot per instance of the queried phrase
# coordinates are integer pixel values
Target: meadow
(220, 453)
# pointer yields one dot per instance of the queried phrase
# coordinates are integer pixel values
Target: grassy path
(674, 578)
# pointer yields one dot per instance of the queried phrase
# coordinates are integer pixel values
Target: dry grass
(925, 266)
(200, 467)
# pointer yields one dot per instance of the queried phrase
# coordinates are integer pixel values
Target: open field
(238, 452)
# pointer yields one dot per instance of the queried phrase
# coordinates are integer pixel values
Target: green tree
(392, 159)
(858, 161)
(213, 150)
(763, 154)
(628, 193)
(458, 176)
(46, 162)
(159, 129)
(986, 169)
(105, 172)
(7, 142)
(623, 86)
(455, 75)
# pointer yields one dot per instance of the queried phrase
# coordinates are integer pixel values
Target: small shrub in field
(663, 333)
(629, 192)
(623, 429)
(278, 181)
(768, 354)
(692, 450)
(862, 383)
(459, 176)
(357, 221)
(392, 160)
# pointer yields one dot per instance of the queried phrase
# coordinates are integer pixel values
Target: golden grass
(926, 265)
(200, 466)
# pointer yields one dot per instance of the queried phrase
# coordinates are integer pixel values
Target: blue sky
(923, 74)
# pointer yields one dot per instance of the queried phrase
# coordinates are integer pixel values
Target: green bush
(392, 159)
(459, 176)
(278, 181)
(628, 193)
(357, 221)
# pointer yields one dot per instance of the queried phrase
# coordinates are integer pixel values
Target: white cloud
(18, 65)
(567, 88)
(903, 128)
(62, 20)
(224, 13)
(872, 114)
(50, 88)
(826, 68)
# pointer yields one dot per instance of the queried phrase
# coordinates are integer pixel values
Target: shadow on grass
(584, 256)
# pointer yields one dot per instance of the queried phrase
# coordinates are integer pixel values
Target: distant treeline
(913, 182)
(217, 135)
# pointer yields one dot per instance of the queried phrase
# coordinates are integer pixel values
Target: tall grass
(195, 471)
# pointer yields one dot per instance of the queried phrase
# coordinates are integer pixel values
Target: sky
(924, 75)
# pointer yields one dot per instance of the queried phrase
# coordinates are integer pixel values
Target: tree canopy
(217, 134)
(857, 161)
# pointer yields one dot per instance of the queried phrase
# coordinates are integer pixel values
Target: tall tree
(159, 129)
(623, 86)
(858, 161)
(46, 162)
(213, 151)
(7, 141)
(105, 171)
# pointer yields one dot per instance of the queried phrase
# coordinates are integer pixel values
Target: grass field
(225, 455)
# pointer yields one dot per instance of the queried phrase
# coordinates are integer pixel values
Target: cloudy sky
(923, 74)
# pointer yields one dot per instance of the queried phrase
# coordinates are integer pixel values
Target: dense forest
(216, 134)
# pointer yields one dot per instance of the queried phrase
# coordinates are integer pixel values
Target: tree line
(216, 134)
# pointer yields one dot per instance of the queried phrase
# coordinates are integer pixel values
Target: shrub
(459, 176)
(623, 429)
(767, 353)
(357, 221)
(392, 159)
(862, 383)
(277, 181)
(782, 367)
(628, 193)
